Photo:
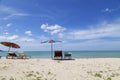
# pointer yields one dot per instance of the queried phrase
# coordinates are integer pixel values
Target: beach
(48, 69)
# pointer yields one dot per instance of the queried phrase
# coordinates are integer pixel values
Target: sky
(79, 24)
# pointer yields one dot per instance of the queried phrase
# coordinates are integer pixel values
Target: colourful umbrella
(10, 45)
(51, 42)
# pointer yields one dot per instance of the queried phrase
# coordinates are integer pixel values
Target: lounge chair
(22, 55)
(58, 55)
(11, 55)
(67, 55)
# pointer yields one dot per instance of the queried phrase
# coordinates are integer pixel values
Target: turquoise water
(75, 54)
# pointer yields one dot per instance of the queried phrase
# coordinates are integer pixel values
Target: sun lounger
(11, 55)
(58, 55)
(67, 55)
(22, 55)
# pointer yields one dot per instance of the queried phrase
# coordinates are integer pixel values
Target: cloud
(110, 10)
(92, 45)
(9, 38)
(10, 12)
(26, 40)
(6, 33)
(14, 37)
(102, 30)
(53, 29)
(4, 29)
(29, 33)
(107, 10)
(9, 25)
(13, 15)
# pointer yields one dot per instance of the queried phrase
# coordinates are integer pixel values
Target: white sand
(47, 69)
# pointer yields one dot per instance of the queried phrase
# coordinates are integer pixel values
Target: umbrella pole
(9, 49)
(51, 50)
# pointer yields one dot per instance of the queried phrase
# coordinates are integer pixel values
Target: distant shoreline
(75, 54)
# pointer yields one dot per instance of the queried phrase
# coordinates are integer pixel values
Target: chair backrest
(58, 54)
(21, 54)
(67, 54)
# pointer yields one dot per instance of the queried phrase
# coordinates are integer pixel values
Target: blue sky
(79, 24)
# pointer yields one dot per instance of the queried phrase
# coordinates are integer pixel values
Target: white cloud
(110, 10)
(53, 29)
(6, 33)
(92, 45)
(4, 29)
(10, 12)
(14, 37)
(9, 38)
(29, 33)
(107, 10)
(102, 30)
(26, 40)
(9, 25)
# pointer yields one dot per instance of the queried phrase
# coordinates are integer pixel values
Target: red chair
(58, 55)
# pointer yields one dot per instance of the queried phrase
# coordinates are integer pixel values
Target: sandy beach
(47, 69)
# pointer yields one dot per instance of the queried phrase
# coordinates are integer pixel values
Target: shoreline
(73, 58)
(75, 54)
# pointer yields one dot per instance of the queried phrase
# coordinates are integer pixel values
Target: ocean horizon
(75, 54)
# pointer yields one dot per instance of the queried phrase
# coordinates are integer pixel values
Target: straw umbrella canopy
(10, 45)
(51, 42)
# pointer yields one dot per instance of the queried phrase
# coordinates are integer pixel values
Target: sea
(75, 54)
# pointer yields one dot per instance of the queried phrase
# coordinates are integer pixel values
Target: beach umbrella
(51, 42)
(10, 45)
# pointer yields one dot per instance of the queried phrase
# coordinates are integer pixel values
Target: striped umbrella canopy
(51, 42)
(10, 45)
